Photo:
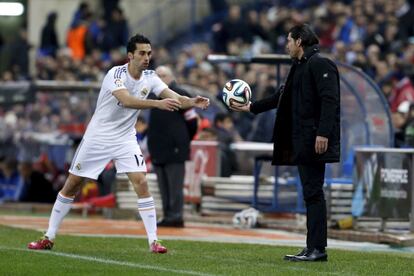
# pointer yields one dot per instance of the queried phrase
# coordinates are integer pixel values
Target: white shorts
(91, 158)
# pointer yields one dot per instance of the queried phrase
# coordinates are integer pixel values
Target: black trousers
(170, 178)
(312, 178)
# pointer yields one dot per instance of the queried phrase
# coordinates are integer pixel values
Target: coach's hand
(321, 144)
(240, 107)
(169, 104)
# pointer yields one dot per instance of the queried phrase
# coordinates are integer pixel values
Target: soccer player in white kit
(110, 135)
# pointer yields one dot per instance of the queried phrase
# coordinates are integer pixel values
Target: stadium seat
(106, 203)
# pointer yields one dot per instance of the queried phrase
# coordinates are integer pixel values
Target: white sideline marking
(108, 261)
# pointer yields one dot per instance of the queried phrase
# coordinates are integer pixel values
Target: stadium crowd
(376, 36)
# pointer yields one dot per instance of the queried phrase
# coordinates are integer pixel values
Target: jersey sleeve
(157, 85)
(115, 79)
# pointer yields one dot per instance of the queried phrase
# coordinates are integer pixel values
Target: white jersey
(111, 122)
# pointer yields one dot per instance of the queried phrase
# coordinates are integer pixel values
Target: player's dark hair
(305, 33)
(132, 43)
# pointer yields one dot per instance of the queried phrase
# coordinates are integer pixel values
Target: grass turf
(75, 255)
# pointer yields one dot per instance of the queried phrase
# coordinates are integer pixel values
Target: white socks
(146, 209)
(62, 206)
(60, 209)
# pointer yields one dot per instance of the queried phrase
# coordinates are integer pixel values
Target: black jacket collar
(308, 52)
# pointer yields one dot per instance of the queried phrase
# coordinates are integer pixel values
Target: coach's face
(293, 46)
(141, 57)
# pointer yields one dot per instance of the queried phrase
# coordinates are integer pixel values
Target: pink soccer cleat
(156, 247)
(43, 244)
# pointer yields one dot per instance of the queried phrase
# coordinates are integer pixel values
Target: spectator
(230, 30)
(169, 137)
(409, 128)
(226, 134)
(254, 28)
(95, 35)
(49, 40)
(109, 6)
(11, 184)
(403, 89)
(107, 179)
(400, 119)
(80, 15)
(76, 39)
(37, 187)
(20, 62)
(406, 19)
(218, 6)
(207, 134)
(326, 32)
(115, 31)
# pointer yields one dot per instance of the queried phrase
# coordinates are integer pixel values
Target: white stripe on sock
(60, 209)
(146, 210)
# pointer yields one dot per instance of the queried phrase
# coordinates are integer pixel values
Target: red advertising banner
(205, 161)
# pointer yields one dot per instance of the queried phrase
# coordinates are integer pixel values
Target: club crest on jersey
(144, 92)
(78, 166)
(118, 82)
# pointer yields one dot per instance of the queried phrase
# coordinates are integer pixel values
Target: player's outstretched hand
(201, 102)
(240, 107)
(169, 104)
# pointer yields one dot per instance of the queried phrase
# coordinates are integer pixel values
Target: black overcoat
(308, 108)
(169, 134)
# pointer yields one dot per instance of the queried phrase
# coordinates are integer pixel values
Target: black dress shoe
(301, 253)
(314, 255)
(170, 223)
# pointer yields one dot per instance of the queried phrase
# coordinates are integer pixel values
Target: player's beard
(144, 66)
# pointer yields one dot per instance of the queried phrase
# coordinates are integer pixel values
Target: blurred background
(54, 54)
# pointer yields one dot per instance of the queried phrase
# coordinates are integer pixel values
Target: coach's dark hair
(305, 33)
(138, 38)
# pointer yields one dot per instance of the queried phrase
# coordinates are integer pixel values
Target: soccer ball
(236, 91)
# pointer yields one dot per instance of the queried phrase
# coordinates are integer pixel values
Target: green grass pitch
(76, 255)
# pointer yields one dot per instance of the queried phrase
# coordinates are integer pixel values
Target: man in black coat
(37, 187)
(307, 129)
(169, 137)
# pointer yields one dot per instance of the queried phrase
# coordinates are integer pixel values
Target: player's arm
(129, 101)
(186, 102)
